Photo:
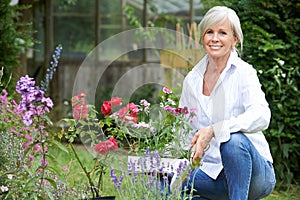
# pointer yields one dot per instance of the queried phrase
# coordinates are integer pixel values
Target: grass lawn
(65, 160)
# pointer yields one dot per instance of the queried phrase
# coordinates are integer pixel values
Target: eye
(223, 33)
(209, 32)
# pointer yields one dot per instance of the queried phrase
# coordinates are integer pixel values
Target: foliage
(25, 141)
(271, 34)
(15, 37)
(162, 127)
(25, 172)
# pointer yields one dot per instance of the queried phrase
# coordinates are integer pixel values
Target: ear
(235, 40)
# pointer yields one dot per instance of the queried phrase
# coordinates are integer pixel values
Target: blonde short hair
(216, 15)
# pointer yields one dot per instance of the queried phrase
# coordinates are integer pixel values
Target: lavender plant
(147, 178)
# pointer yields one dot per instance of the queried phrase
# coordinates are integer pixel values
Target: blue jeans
(246, 174)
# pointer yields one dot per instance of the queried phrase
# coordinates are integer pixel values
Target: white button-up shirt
(236, 103)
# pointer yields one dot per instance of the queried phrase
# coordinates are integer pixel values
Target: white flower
(10, 176)
(4, 188)
(281, 62)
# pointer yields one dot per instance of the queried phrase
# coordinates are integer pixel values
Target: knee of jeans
(236, 141)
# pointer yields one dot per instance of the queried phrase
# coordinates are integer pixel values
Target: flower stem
(92, 186)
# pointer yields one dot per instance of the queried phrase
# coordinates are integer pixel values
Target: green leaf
(52, 182)
(285, 150)
(59, 145)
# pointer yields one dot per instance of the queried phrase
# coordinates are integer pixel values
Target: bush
(271, 33)
(15, 37)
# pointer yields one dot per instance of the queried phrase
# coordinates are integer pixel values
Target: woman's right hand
(200, 142)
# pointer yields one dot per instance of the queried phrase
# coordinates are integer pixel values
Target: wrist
(211, 130)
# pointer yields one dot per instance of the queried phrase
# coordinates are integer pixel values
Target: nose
(215, 37)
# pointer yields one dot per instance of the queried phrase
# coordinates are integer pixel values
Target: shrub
(15, 37)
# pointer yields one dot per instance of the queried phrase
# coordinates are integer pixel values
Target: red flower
(114, 141)
(116, 101)
(106, 108)
(80, 111)
(177, 111)
(108, 145)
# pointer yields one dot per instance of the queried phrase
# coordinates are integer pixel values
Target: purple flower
(185, 110)
(147, 152)
(38, 95)
(48, 102)
(117, 182)
(33, 101)
(25, 84)
(50, 71)
(39, 110)
(28, 118)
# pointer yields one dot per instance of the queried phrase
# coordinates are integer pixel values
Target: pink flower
(168, 108)
(75, 101)
(31, 157)
(44, 162)
(167, 90)
(116, 101)
(80, 111)
(108, 145)
(81, 94)
(129, 112)
(144, 102)
(28, 137)
(37, 147)
(3, 97)
(27, 145)
(78, 99)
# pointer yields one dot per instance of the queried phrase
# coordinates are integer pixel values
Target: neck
(217, 64)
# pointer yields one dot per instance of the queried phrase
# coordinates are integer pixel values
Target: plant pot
(104, 198)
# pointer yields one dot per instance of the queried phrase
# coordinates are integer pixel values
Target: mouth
(215, 47)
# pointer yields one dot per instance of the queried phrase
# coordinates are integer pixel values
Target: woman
(232, 112)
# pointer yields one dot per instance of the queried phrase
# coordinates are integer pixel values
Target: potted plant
(161, 127)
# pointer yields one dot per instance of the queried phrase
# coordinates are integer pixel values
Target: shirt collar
(231, 63)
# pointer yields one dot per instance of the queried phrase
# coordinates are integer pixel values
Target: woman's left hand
(200, 142)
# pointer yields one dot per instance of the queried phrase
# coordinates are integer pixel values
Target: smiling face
(218, 40)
